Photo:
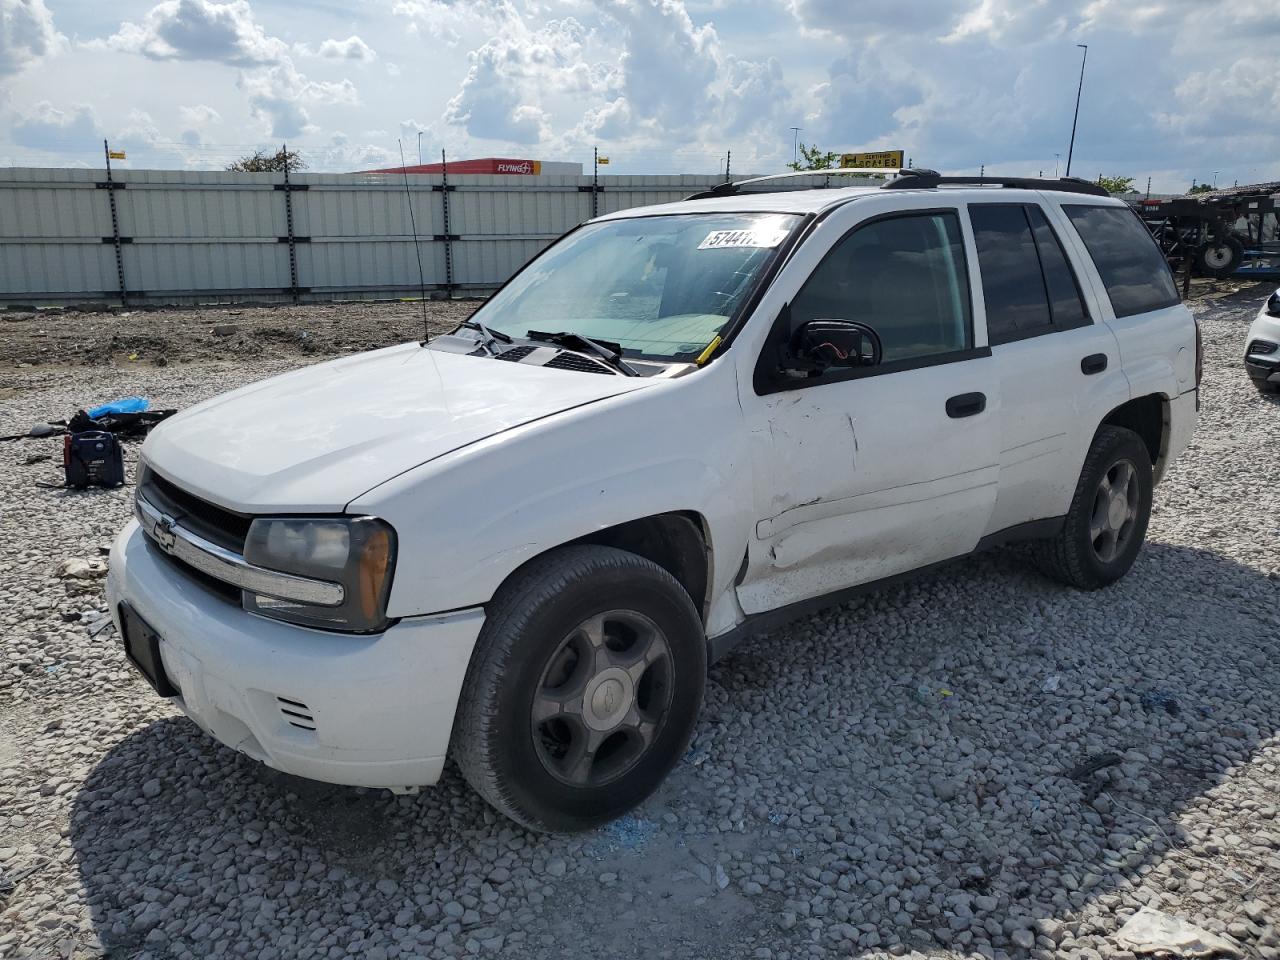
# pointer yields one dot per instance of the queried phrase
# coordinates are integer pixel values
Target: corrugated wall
(189, 236)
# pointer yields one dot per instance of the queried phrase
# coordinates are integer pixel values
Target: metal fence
(157, 236)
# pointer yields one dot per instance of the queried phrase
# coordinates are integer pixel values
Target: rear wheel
(583, 689)
(1107, 522)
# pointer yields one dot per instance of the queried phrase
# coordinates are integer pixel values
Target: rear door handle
(1094, 363)
(966, 405)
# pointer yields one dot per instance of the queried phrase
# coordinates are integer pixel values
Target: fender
(1157, 351)
(472, 517)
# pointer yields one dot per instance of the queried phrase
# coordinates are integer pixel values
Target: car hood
(315, 439)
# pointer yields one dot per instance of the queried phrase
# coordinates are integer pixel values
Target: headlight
(357, 553)
(1273, 304)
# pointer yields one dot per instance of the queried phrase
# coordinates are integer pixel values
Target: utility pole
(728, 155)
(1056, 158)
(795, 144)
(1215, 179)
(595, 182)
(982, 171)
(419, 148)
(1148, 188)
(1080, 89)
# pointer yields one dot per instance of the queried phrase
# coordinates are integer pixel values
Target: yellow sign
(116, 154)
(885, 159)
(603, 161)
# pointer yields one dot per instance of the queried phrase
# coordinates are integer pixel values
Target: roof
(818, 199)
(783, 201)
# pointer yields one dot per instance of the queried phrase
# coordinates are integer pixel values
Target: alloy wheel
(602, 698)
(1115, 511)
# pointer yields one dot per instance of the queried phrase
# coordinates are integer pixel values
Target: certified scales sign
(885, 159)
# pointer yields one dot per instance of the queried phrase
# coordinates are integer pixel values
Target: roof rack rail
(731, 187)
(919, 178)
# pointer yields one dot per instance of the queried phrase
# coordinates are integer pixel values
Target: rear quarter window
(1130, 264)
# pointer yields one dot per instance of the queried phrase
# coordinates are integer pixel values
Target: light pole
(795, 144)
(1215, 179)
(419, 148)
(1056, 158)
(1080, 89)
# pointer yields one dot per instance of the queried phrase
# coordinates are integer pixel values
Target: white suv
(521, 544)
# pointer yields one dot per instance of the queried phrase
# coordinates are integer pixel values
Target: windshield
(660, 287)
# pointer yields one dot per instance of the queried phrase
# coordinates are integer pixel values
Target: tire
(1080, 555)
(1219, 258)
(557, 639)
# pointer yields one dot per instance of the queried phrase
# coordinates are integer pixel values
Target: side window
(1133, 271)
(1012, 281)
(903, 276)
(1065, 303)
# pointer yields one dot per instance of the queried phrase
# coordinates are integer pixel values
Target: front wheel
(1107, 522)
(583, 689)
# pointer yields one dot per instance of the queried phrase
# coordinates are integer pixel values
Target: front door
(863, 473)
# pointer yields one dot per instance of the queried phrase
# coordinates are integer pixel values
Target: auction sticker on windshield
(764, 238)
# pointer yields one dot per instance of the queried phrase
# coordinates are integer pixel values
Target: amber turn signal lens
(374, 562)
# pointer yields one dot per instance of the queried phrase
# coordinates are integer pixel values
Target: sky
(1174, 90)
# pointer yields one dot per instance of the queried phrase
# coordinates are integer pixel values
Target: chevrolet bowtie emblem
(163, 532)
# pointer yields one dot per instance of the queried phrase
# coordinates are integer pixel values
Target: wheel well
(1145, 416)
(677, 542)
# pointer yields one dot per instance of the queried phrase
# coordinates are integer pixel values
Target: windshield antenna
(422, 280)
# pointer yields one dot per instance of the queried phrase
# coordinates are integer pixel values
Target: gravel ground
(889, 777)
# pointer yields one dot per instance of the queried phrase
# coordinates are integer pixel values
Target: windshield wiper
(610, 353)
(489, 336)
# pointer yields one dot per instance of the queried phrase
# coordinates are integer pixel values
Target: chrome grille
(224, 527)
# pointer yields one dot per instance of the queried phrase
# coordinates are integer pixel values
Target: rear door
(1058, 369)
(1137, 297)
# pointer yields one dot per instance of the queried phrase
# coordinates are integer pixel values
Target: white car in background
(1262, 346)
(520, 545)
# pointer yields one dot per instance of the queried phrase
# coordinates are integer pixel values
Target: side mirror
(819, 345)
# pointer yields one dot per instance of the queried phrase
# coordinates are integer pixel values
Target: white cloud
(48, 129)
(669, 65)
(489, 104)
(278, 97)
(200, 30)
(448, 20)
(199, 116)
(660, 85)
(352, 48)
(27, 34)
(960, 83)
(508, 74)
(196, 121)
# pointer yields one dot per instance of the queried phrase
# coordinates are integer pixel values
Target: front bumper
(369, 710)
(1264, 369)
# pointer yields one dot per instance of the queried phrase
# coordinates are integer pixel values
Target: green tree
(1116, 184)
(1201, 188)
(812, 158)
(260, 161)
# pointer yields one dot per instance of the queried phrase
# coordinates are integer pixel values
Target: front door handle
(1094, 363)
(966, 405)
